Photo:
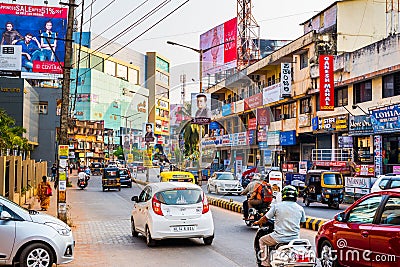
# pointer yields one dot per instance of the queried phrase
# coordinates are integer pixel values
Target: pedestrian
(44, 193)
(53, 172)
(71, 166)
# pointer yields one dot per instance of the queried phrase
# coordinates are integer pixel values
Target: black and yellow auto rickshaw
(111, 179)
(96, 168)
(325, 187)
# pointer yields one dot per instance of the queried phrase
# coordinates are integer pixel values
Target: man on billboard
(202, 110)
(30, 51)
(10, 36)
(48, 42)
(149, 134)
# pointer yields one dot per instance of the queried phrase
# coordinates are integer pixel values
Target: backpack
(266, 193)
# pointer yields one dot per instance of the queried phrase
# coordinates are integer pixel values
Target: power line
(129, 28)
(104, 8)
(134, 39)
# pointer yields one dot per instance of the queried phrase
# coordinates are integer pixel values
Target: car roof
(223, 172)
(161, 186)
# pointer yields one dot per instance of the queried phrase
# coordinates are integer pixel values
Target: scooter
(298, 252)
(82, 183)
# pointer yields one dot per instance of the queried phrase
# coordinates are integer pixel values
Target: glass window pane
(365, 211)
(109, 68)
(391, 213)
(122, 71)
(96, 63)
(133, 76)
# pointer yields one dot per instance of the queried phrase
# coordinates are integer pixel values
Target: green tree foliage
(190, 134)
(11, 135)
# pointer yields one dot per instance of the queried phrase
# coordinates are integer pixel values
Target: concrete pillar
(11, 178)
(2, 175)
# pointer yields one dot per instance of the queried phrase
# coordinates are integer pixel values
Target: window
(276, 112)
(305, 105)
(303, 60)
(41, 107)
(161, 77)
(391, 85)
(96, 63)
(395, 184)
(84, 59)
(365, 211)
(109, 68)
(363, 92)
(391, 212)
(317, 102)
(162, 91)
(122, 72)
(341, 97)
(290, 110)
(383, 183)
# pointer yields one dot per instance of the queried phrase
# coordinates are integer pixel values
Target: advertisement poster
(148, 133)
(326, 83)
(63, 151)
(39, 31)
(222, 56)
(238, 167)
(378, 154)
(201, 108)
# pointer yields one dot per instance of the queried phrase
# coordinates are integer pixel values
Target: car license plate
(186, 228)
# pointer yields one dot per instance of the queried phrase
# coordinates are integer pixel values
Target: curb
(311, 223)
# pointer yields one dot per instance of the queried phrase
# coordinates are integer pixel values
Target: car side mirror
(5, 215)
(340, 217)
(135, 199)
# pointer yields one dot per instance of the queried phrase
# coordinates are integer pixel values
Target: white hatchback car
(31, 238)
(224, 183)
(172, 210)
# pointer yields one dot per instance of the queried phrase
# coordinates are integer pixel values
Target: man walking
(53, 172)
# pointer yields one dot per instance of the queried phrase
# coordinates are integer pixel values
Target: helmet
(289, 192)
(256, 176)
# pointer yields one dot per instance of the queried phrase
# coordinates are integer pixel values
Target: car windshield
(21, 209)
(332, 179)
(111, 173)
(180, 196)
(122, 172)
(225, 176)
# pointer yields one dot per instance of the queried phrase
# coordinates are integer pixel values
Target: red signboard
(263, 116)
(330, 163)
(365, 170)
(326, 83)
(48, 67)
(230, 37)
(253, 101)
(252, 125)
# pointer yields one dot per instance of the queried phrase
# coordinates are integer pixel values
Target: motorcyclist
(249, 190)
(83, 176)
(288, 216)
(262, 195)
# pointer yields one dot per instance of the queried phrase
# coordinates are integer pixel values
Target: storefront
(360, 138)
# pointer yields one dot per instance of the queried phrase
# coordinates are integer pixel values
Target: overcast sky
(278, 20)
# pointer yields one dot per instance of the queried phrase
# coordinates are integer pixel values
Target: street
(101, 227)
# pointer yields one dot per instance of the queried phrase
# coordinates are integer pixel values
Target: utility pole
(63, 136)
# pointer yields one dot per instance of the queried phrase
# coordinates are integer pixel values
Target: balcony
(341, 154)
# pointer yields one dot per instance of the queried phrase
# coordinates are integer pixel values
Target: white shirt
(81, 176)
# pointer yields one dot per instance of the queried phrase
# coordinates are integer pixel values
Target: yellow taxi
(177, 176)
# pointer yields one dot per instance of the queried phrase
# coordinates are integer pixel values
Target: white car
(387, 181)
(172, 210)
(223, 183)
(31, 238)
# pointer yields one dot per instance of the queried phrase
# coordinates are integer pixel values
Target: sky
(278, 20)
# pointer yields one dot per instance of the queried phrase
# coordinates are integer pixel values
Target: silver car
(31, 238)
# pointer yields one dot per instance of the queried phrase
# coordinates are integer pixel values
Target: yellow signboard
(63, 151)
(130, 158)
(147, 160)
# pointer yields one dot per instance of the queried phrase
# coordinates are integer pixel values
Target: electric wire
(91, 6)
(141, 34)
(104, 8)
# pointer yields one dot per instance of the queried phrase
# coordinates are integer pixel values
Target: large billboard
(326, 83)
(40, 31)
(201, 108)
(221, 57)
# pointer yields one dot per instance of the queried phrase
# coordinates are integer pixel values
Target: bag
(266, 193)
(49, 192)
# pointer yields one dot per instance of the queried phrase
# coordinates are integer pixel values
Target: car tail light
(206, 207)
(156, 206)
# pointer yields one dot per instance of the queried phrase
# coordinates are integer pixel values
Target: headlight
(62, 230)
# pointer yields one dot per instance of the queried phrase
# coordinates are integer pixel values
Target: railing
(341, 154)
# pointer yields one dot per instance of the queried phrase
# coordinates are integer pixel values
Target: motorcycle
(83, 183)
(256, 213)
(297, 252)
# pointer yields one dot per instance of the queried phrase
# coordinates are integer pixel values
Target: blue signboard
(288, 138)
(360, 125)
(213, 125)
(226, 110)
(386, 119)
(293, 177)
(262, 145)
(314, 123)
(251, 137)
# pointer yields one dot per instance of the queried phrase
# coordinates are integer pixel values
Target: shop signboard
(315, 123)
(345, 142)
(274, 138)
(267, 157)
(226, 109)
(303, 167)
(396, 169)
(239, 106)
(253, 101)
(335, 123)
(272, 93)
(286, 80)
(262, 134)
(360, 125)
(326, 83)
(288, 138)
(225, 140)
(364, 170)
(304, 120)
(378, 154)
(10, 57)
(252, 124)
(263, 116)
(386, 119)
(235, 139)
(251, 137)
(262, 145)
(241, 139)
(358, 182)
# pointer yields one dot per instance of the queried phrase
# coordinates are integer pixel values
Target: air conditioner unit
(307, 109)
(284, 116)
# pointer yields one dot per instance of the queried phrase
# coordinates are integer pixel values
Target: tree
(11, 135)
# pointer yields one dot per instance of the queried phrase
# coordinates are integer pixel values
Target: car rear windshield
(225, 176)
(332, 179)
(122, 172)
(180, 196)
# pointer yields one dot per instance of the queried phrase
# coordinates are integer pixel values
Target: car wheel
(130, 185)
(36, 254)
(328, 257)
(307, 202)
(104, 189)
(208, 240)
(133, 229)
(119, 188)
(335, 205)
(149, 241)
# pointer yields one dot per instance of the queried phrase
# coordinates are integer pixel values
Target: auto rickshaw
(177, 176)
(111, 179)
(95, 168)
(325, 187)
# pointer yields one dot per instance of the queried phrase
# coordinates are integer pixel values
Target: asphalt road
(101, 227)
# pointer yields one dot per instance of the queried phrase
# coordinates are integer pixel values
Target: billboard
(326, 83)
(40, 31)
(148, 132)
(221, 57)
(201, 108)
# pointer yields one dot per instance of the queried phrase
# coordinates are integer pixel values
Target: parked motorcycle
(83, 183)
(297, 252)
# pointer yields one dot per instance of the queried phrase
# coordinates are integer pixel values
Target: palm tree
(11, 135)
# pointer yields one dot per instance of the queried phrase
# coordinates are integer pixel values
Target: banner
(286, 79)
(263, 117)
(326, 83)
